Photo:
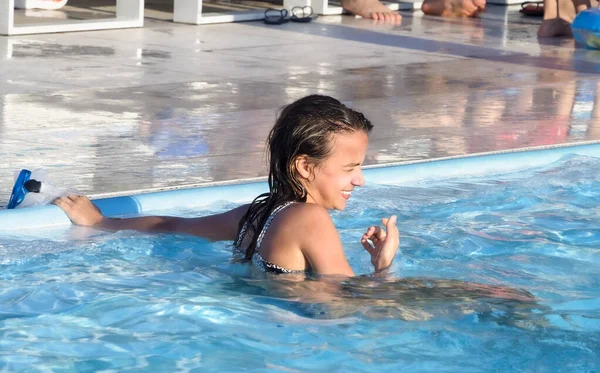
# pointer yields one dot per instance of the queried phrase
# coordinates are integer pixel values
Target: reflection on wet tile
(335, 58)
(171, 105)
(49, 50)
(204, 38)
(83, 74)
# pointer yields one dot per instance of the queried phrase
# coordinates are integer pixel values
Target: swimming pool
(457, 299)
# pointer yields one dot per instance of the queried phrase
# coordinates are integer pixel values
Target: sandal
(276, 16)
(302, 14)
(533, 8)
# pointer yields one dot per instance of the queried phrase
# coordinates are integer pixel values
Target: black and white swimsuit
(257, 259)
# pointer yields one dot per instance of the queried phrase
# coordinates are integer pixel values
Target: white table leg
(7, 16)
(130, 13)
(187, 11)
(134, 10)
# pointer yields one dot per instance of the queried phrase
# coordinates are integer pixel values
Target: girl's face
(332, 182)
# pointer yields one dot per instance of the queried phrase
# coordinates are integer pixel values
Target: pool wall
(243, 191)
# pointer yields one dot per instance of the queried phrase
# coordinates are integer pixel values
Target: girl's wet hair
(305, 127)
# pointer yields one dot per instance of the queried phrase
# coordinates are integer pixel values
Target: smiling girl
(316, 150)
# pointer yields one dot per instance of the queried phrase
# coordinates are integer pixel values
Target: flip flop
(276, 16)
(533, 8)
(302, 14)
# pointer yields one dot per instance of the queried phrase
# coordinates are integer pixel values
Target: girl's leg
(558, 16)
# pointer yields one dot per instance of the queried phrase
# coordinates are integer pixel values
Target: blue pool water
(497, 273)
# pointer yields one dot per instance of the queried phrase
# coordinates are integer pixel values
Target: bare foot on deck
(453, 8)
(371, 9)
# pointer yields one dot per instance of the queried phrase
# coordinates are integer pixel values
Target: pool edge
(244, 190)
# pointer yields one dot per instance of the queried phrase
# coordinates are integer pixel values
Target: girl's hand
(80, 210)
(383, 244)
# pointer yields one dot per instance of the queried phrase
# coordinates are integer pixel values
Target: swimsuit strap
(268, 222)
(238, 241)
(239, 238)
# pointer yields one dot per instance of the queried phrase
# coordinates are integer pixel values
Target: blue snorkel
(19, 191)
(33, 189)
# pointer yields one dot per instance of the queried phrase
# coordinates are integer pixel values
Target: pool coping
(135, 202)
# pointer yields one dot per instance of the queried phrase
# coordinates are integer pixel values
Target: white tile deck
(170, 105)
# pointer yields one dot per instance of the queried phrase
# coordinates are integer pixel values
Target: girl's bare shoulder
(306, 217)
(298, 232)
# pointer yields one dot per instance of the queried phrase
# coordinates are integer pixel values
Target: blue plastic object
(18, 193)
(586, 28)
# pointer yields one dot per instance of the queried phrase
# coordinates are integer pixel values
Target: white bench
(190, 11)
(130, 13)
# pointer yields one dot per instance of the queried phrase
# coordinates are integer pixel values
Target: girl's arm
(320, 242)
(218, 227)
(322, 247)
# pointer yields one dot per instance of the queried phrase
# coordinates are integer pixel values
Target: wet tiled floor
(173, 105)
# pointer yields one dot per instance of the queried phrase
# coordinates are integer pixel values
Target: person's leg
(582, 5)
(371, 9)
(453, 8)
(559, 14)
